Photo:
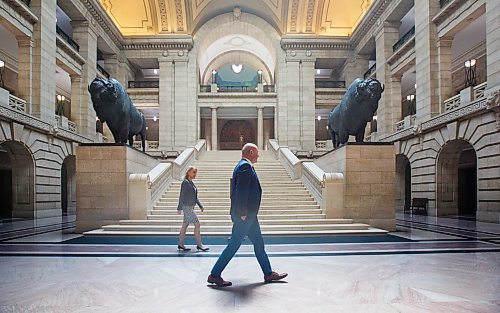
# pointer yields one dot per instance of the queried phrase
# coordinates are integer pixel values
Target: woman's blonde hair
(191, 168)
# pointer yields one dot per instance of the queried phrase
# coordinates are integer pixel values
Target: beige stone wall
(369, 173)
(102, 183)
(482, 133)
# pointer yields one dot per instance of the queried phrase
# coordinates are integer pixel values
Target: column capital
(396, 77)
(75, 77)
(260, 107)
(445, 41)
(214, 107)
(23, 41)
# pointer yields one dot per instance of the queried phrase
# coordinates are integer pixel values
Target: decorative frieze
(163, 15)
(459, 112)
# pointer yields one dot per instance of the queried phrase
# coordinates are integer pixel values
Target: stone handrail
(332, 203)
(273, 146)
(201, 145)
(160, 178)
(291, 163)
(182, 162)
(312, 178)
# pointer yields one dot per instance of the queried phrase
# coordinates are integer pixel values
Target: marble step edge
(209, 228)
(214, 222)
(338, 232)
(226, 216)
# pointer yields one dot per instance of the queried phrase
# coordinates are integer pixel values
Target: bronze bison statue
(357, 107)
(114, 107)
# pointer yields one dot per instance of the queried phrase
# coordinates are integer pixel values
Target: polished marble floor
(449, 265)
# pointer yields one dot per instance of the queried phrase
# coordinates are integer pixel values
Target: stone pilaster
(354, 68)
(308, 105)
(426, 58)
(393, 94)
(214, 136)
(260, 127)
(166, 102)
(182, 110)
(281, 111)
(25, 70)
(117, 68)
(43, 60)
(444, 60)
(492, 44)
(385, 38)
(85, 35)
(293, 116)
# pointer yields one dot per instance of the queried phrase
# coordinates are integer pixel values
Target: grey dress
(188, 198)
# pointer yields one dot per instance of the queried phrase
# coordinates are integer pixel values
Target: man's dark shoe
(218, 281)
(274, 277)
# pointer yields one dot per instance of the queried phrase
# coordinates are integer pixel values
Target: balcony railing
(408, 121)
(371, 71)
(150, 145)
(236, 89)
(17, 104)
(454, 102)
(269, 88)
(404, 39)
(102, 70)
(320, 144)
(67, 38)
(205, 88)
(72, 126)
(64, 122)
(144, 84)
(330, 84)
(443, 3)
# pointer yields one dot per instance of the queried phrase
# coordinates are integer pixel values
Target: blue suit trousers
(249, 227)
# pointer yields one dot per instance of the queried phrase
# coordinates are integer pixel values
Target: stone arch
(243, 35)
(68, 185)
(19, 167)
(403, 183)
(456, 159)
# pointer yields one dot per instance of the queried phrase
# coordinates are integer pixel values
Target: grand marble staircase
(287, 208)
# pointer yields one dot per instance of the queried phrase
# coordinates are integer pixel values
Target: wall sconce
(155, 71)
(319, 118)
(2, 66)
(214, 72)
(410, 97)
(155, 118)
(259, 72)
(60, 104)
(470, 73)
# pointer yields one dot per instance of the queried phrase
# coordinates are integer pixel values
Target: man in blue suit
(246, 194)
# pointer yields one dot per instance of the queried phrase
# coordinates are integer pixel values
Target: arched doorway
(457, 180)
(68, 185)
(403, 186)
(17, 181)
(235, 133)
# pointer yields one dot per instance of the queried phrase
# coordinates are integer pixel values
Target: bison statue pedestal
(102, 187)
(369, 171)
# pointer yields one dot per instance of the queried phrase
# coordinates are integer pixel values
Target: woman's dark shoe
(202, 249)
(183, 248)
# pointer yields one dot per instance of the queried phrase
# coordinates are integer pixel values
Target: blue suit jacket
(246, 192)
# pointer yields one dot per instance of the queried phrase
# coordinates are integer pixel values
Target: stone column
(492, 44)
(24, 68)
(214, 129)
(385, 38)
(293, 111)
(43, 60)
(426, 59)
(354, 68)
(308, 104)
(181, 107)
(281, 110)
(85, 35)
(260, 127)
(165, 99)
(444, 60)
(393, 95)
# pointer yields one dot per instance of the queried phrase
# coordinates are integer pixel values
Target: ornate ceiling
(312, 17)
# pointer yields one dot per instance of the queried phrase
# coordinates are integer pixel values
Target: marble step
(228, 201)
(226, 211)
(280, 233)
(228, 227)
(264, 206)
(227, 217)
(225, 222)
(225, 194)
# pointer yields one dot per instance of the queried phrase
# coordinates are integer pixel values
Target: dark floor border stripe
(124, 255)
(2, 239)
(445, 226)
(438, 231)
(6, 232)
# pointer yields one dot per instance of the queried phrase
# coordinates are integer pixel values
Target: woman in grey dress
(188, 198)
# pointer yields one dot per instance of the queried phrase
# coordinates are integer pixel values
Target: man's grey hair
(247, 148)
